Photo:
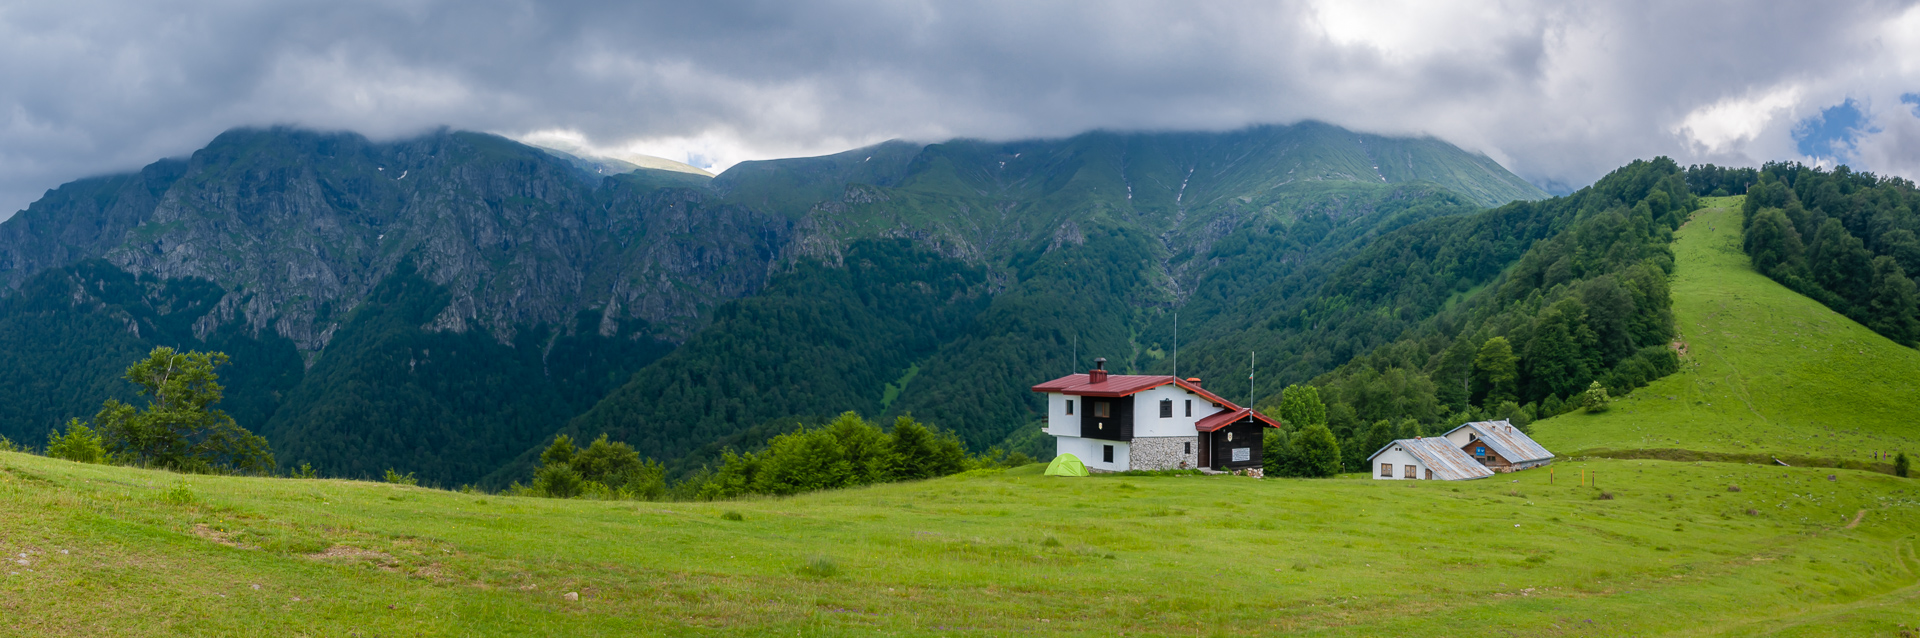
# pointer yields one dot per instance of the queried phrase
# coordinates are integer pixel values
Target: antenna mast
(1176, 344)
(1249, 378)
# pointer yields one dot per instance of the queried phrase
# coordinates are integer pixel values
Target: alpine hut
(1425, 459)
(1120, 422)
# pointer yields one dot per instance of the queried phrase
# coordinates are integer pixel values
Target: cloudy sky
(1559, 93)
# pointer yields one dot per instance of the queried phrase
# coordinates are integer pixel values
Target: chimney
(1099, 372)
(1194, 380)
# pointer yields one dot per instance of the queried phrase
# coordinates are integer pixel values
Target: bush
(557, 481)
(180, 494)
(1595, 399)
(400, 479)
(1901, 466)
(80, 444)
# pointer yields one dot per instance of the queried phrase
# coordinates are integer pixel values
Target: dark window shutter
(1166, 408)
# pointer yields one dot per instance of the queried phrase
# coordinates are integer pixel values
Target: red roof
(1120, 385)
(1229, 417)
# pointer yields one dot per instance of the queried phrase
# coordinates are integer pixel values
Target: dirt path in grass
(1856, 518)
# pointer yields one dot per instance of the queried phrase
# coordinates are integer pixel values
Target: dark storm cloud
(1558, 92)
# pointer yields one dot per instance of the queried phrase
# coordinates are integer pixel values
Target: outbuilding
(1499, 446)
(1428, 459)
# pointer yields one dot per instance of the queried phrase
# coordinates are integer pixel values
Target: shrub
(179, 494)
(733, 516)
(400, 479)
(80, 444)
(7, 445)
(305, 471)
(557, 481)
(1595, 399)
(1901, 466)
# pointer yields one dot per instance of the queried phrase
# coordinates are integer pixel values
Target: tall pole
(1176, 344)
(1249, 379)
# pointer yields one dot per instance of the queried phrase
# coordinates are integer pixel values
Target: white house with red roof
(1120, 422)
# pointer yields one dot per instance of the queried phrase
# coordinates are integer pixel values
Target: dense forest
(1511, 313)
(1849, 240)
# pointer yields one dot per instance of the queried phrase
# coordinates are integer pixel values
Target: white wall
(1400, 459)
(1460, 437)
(1059, 423)
(1146, 412)
(1088, 451)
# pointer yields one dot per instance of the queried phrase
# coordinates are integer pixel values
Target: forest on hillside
(1849, 240)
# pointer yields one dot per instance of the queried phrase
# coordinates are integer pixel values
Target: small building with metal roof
(1120, 422)
(1499, 445)
(1425, 459)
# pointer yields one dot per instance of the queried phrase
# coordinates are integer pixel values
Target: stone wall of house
(1165, 453)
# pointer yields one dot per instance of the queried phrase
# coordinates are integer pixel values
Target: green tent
(1066, 465)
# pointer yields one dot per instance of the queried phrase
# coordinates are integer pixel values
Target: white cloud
(1723, 125)
(1560, 93)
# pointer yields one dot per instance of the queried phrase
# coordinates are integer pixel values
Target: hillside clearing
(1768, 372)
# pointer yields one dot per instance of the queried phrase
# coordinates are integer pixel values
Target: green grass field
(96, 550)
(1652, 548)
(1767, 371)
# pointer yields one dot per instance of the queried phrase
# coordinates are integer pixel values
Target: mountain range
(446, 303)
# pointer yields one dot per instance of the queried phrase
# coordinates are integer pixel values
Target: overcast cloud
(1559, 93)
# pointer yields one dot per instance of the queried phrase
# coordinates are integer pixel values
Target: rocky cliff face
(298, 227)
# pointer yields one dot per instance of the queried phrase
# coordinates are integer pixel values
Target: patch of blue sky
(1912, 100)
(1832, 133)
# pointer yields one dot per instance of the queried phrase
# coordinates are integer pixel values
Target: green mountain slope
(1768, 372)
(124, 551)
(1093, 239)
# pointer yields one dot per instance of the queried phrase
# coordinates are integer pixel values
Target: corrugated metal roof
(1512, 444)
(1447, 462)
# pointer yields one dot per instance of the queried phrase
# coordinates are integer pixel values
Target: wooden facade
(1485, 454)
(1117, 425)
(1218, 447)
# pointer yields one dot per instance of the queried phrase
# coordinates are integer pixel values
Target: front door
(1206, 449)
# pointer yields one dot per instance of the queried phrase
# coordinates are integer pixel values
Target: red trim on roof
(1229, 417)
(1120, 385)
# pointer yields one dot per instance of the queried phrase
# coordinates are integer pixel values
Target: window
(1166, 408)
(1106, 453)
(1189, 447)
(1409, 473)
(1069, 407)
(1189, 407)
(1386, 470)
(1100, 409)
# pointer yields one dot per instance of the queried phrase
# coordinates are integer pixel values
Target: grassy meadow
(1767, 372)
(98, 550)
